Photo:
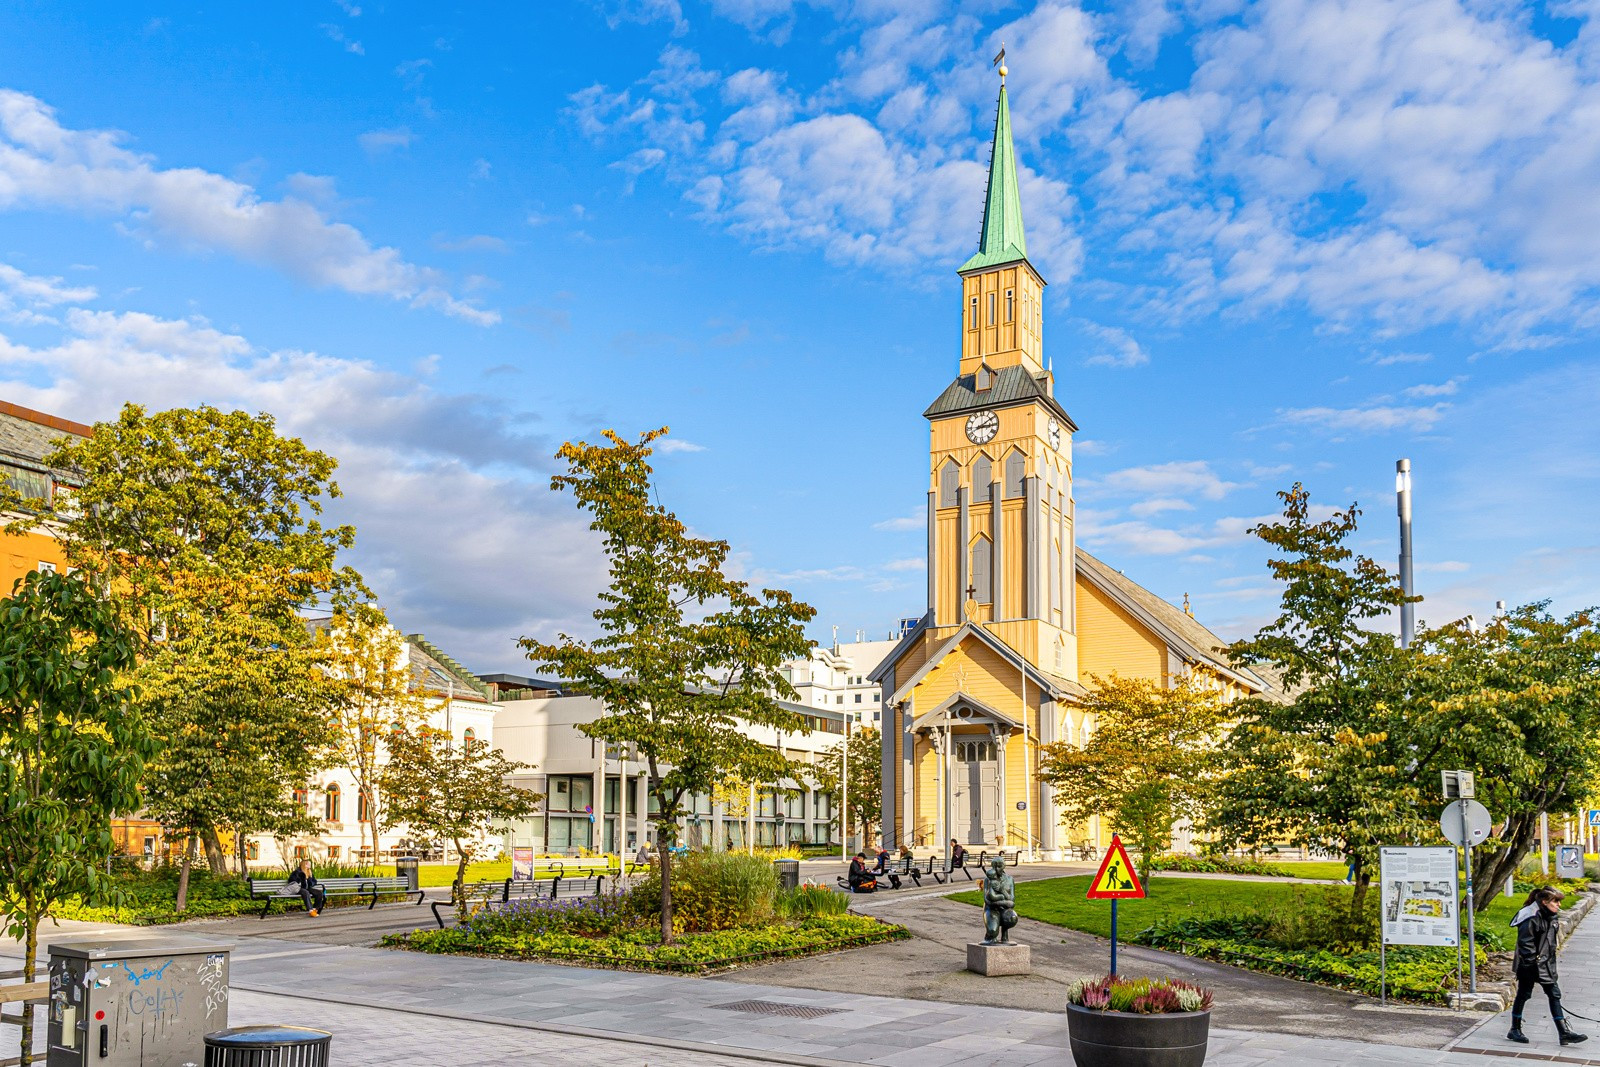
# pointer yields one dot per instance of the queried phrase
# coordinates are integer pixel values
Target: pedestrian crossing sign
(1117, 878)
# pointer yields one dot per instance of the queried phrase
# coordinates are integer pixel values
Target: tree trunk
(30, 962)
(1358, 895)
(460, 887)
(183, 875)
(242, 853)
(214, 856)
(665, 848)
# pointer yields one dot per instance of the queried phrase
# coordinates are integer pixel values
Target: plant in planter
(1138, 1022)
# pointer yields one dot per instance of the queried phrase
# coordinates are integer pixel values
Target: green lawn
(1060, 901)
(1329, 869)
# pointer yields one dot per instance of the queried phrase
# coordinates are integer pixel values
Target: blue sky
(1292, 240)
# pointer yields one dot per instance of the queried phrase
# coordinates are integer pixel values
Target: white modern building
(458, 704)
(837, 678)
(597, 799)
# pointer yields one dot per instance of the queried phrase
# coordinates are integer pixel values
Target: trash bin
(407, 867)
(268, 1046)
(788, 873)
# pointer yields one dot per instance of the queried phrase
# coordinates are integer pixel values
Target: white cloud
(915, 521)
(44, 164)
(494, 530)
(1378, 418)
(1182, 476)
(1118, 348)
(898, 565)
(338, 36)
(377, 142)
(1425, 390)
(1155, 506)
(670, 445)
(25, 297)
(478, 242)
(1393, 358)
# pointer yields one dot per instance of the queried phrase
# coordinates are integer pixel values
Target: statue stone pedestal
(995, 960)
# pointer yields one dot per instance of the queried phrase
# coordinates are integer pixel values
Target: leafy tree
(373, 700)
(687, 657)
(735, 795)
(1148, 762)
(1519, 702)
(240, 707)
(72, 748)
(1334, 767)
(458, 795)
(205, 524)
(864, 802)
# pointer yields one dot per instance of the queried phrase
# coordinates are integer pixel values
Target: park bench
(274, 889)
(489, 894)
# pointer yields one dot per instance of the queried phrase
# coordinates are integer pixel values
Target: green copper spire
(1002, 240)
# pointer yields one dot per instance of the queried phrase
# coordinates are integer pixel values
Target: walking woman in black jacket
(1538, 933)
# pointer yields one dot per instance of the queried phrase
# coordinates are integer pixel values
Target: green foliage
(688, 658)
(72, 748)
(804, 901)
(1148, 761)
(865, 766)
(1227, 865)
(714, 891)
(1332, 767)
(459, 795)
(644, 949)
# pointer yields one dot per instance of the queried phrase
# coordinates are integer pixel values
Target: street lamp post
(1402, 491)
(844, 795)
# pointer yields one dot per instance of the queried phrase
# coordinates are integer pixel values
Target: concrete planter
(1125, 1039)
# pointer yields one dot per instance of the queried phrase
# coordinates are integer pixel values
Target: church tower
(1000, 512)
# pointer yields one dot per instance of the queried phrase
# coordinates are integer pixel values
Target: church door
(976, 801)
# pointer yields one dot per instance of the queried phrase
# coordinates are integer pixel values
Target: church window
(1009, 303)
(991, 309)
(982, 558)
(1016, 466)
(1055, 579)
(949, 484)
(981, 476)
(972, 324)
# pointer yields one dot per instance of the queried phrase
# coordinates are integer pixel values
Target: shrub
(1219, 865)
(713, 891)
(600, 916)
(1140, 996)
(808, 900)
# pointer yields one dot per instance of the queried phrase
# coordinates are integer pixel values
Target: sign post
(1418, 898)
(1116, 880)
(1465, 823)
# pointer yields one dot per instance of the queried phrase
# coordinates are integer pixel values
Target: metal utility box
(145, 1002)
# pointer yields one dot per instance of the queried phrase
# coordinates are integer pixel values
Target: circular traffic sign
(1479, 823)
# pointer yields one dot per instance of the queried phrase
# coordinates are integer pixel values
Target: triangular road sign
(1117, 878)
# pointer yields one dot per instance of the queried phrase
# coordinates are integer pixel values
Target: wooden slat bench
(275, 889)
(489, 894)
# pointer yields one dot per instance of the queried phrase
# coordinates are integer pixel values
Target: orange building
(26, 437)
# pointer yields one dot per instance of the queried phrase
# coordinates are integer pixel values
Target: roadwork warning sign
(1117, 879)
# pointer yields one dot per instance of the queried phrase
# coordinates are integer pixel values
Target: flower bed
(599, 937)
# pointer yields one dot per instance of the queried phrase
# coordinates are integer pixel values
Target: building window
(973, 324)
(1009, 306)
(299, 852)
(975, 751)
(982, 558)
(333, 852)
(877, 715)
(567, 822)
(839, 699)
(330, 803)
(469, 738)
(982, 475)
(46, 567)
(1016, 467)
(252, 850)
(363, 808)
(991, 309)
(301, 799)
(949, 484)
(876, 697)
(35, 485)
(858, 698)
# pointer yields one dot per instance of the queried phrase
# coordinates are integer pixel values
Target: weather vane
(999, 61)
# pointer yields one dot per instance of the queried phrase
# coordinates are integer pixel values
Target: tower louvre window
(982, 558)
(991, 309)
(1016, 466)
(973, 323)
(1009, 305)
(949, 484)
(982, 475)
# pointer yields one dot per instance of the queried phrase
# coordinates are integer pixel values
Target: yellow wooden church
(1019, 618)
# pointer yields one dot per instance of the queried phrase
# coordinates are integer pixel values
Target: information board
(1419, 895)
(522, 864)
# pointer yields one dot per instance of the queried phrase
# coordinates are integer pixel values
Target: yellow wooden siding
(1111, 641)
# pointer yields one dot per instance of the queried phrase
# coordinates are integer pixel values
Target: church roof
(1002, 239)
(1182, 633)
(1012, 385)
(1054, 687)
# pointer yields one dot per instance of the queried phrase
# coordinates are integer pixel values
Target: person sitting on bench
(958, 855)
(310, 889)
(860, 872)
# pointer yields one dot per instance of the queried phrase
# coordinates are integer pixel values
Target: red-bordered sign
(1117, 878)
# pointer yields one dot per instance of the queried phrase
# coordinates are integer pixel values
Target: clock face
(1054, 430)
(982, 427)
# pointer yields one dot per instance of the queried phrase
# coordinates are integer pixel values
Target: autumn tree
(687, 657)
(373, 698)
(1147, 763)
(73, 746)
(460, 795)
(1517, 701)
(1333, 766)
(206, 526)
(862, 772)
